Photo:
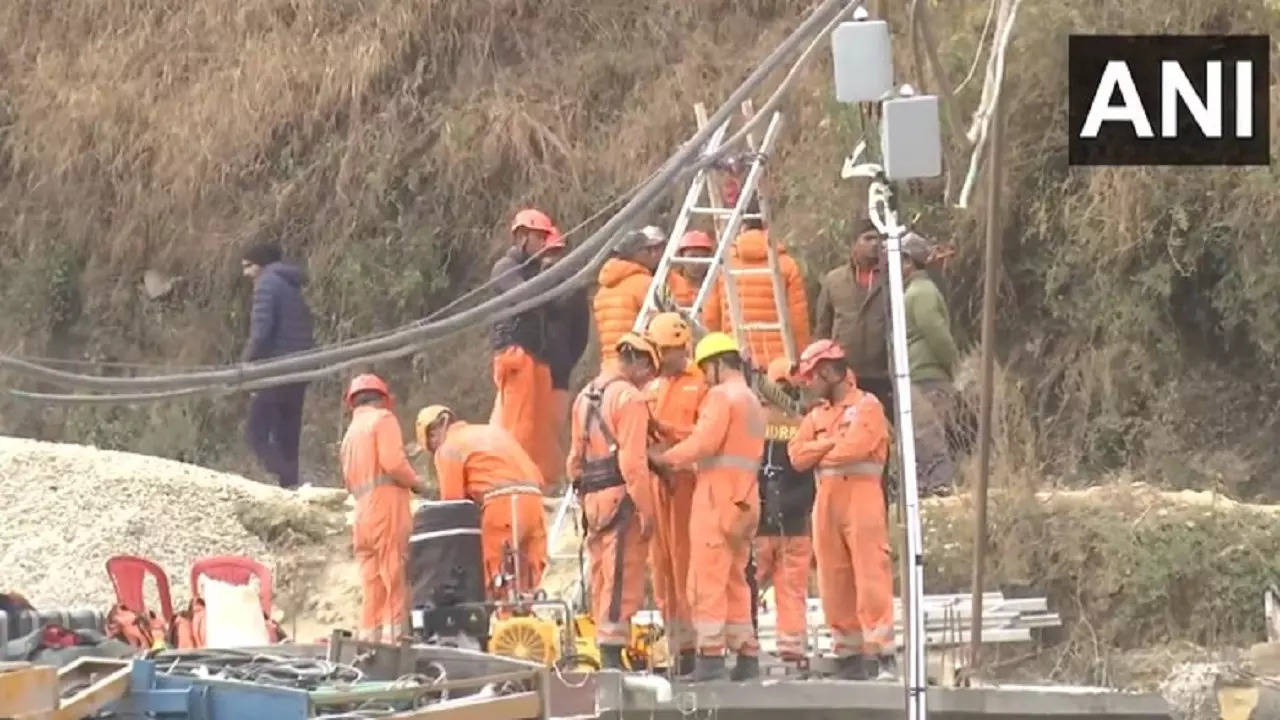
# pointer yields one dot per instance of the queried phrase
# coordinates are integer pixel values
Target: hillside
(386, 143)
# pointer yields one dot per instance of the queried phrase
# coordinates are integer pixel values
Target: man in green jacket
(932, 353)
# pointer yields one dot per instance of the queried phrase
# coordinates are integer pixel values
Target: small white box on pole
(863, 60)
(911, 137)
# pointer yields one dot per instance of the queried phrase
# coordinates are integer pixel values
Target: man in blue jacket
(280, 324)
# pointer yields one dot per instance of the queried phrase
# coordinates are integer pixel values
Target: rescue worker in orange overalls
(609, 468)
(726, 443)
(784, 549)
(846, 440)
(378, 474)
(674, 397)
(485, 464)
(522, 359)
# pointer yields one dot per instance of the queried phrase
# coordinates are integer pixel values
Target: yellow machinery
(525, 637)
(540, 639)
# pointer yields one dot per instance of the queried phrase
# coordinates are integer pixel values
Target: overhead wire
(571, 272)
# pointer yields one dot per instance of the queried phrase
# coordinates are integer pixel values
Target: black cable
(535, 292)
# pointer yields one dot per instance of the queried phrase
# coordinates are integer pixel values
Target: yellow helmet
(640, 343)
(668, 329)
(427, 417)
(714, 344)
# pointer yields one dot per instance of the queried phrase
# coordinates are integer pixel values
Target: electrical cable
(539, 289)
(669, 169)
(434, 314)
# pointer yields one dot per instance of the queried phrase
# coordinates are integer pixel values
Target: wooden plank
(28, 690)
(110, 682)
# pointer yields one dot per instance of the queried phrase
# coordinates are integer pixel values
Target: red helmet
(366, 383)
(532, 219)
(555, 240)
(817, 352)
(696, 239)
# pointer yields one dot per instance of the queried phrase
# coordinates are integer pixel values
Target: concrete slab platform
(844, 700)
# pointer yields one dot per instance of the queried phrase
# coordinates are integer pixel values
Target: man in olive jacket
(932, 353)
(853, 311)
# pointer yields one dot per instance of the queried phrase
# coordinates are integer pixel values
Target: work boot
(685, 663)
(611, 657)
(747, 668)
(851, 668)
(708, 669)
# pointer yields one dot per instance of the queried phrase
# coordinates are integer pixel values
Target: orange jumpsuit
(616, 491)
(380, 477)
(848, 443)
(524, 405)
(485, 464)
(674, 403)
(726, 443)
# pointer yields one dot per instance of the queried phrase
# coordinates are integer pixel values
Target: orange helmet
(532, 219)
(366, 383)
(636, 342)
(817, 352)
(779, 370)
(695, 239)
(555, 240)
(668, 329)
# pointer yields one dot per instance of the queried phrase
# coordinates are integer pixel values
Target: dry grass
(385, 142)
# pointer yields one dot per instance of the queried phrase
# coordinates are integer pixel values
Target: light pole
(910, 143)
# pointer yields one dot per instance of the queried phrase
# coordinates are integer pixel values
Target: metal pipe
(883, 206)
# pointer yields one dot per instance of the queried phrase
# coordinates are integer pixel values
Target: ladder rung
(751, 271)
(680, 260)
(723, 212)
(758, 327)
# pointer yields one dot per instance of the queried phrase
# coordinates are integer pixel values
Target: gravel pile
(64, 509)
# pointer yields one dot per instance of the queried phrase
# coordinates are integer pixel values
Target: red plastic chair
(128, 573)
(236, 570)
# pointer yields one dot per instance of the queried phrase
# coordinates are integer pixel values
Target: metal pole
(915, 680)
(992, 262)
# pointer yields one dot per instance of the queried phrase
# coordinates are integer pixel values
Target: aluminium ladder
(704, 199)
(726, 222)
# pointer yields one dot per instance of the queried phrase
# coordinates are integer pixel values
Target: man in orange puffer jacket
(623, 282)
(755, 296)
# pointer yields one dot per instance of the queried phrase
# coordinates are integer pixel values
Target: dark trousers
(882, 388)
(275, 426)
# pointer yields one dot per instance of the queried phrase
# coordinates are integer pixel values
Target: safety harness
(601, 474)
(604, 472)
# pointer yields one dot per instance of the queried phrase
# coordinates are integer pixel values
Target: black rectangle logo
(1169, 100)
